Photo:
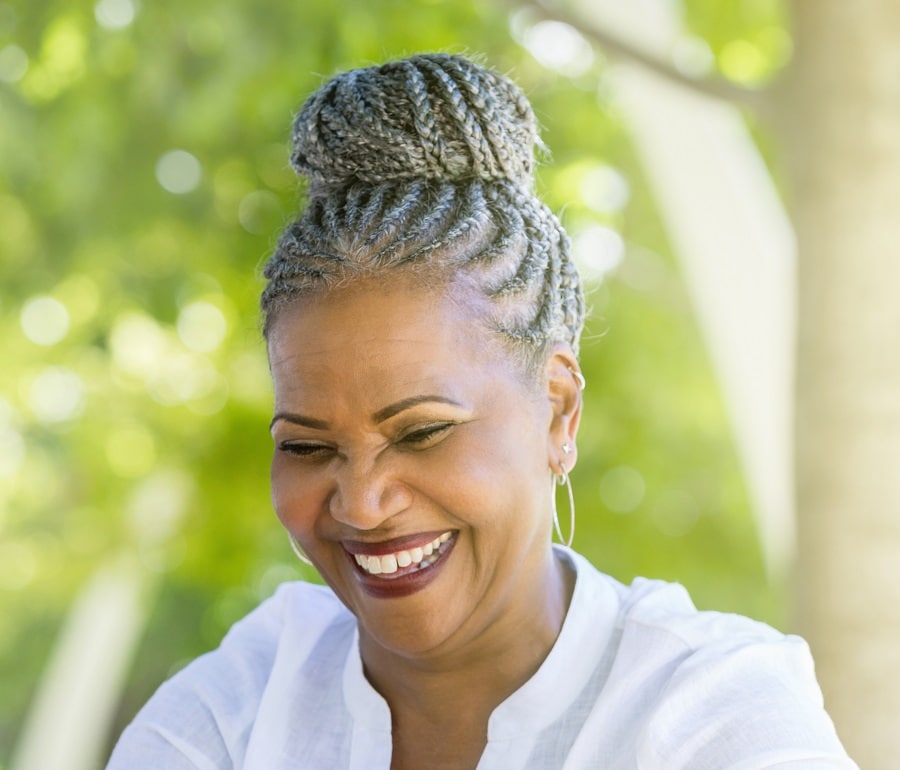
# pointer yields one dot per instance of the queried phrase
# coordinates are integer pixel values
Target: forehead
(392, 338)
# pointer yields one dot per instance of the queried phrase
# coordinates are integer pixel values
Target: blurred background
(143, 181)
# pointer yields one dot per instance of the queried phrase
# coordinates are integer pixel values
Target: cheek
(483, 474)
(295, 496)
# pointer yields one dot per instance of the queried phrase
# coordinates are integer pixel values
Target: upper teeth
(391, 562)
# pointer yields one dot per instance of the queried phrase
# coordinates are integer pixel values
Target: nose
(367, 494)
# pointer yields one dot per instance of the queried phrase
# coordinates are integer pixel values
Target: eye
(423, 437)
(305, 449)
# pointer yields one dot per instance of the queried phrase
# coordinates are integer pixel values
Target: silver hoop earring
(579, 378)
(298, 551)
(562, 479)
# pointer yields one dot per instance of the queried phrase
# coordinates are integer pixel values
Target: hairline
(457, 285)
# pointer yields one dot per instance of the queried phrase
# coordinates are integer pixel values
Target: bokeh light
(13, 63)
(598, 250)
(259, 212)
(138, 344)
(744, 62)
(675, 513)
(560, 47)
(56, 394)
(622, 489)
(115, 14)
(19, 565)
(12, 444)
(604, 189)
(179, 172)
(201, 326)
(158, 503)
(44, 320)
(693, 56)
(62, 60)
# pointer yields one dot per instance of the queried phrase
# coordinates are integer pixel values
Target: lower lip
(395, 588)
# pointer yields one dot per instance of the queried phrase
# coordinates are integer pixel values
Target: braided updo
(427, 164)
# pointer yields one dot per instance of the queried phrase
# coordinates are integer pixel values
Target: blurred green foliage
(143, 179)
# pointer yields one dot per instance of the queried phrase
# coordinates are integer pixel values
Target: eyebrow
(407, 403)
(380, 416)
(299, 419)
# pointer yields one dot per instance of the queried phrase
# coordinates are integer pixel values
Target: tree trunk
(842, 105)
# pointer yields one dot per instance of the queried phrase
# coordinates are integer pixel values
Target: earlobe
(564, 385)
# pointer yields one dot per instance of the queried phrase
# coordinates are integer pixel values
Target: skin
(399, 417)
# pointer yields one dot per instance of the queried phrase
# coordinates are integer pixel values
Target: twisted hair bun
(425, 164)
(434, 116)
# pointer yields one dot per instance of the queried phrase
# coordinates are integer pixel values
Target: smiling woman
(422, 318)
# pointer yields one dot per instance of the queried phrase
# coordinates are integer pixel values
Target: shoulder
(663, 612)
(202, 716)
(297, 616)
(695, 657)
(702, 689)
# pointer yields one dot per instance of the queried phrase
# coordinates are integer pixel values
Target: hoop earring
(298, 551)
(579, 378)
(562, 479)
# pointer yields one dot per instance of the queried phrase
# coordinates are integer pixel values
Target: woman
(422, 319)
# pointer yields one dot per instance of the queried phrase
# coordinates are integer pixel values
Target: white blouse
(637, 680)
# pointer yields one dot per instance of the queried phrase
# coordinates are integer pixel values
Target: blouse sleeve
(201, 718)
(172, 732)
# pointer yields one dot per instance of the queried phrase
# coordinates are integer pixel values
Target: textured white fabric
(638, 680)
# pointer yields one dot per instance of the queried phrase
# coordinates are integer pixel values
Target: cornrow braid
(427, 164)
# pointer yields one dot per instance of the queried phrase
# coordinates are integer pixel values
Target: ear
(563, 381)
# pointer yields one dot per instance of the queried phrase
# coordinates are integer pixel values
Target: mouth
(401, 571)
(402, 562)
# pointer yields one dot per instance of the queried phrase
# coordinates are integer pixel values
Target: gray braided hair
(427, 164)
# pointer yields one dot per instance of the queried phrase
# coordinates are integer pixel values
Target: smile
(403, 562)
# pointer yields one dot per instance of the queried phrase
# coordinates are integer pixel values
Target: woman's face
(412, 461)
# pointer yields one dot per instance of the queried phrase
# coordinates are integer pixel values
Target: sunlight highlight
(155, 512)
(744, 62)
(604, 190)
(138, 344)
(44, 320)
(12, 451)
(676, 513)
(693, 57)
(19, 566)
(259, 212)
(62, 60)
(597, 250)
(559, 47)
(201, 326)
(178, 172)
(159, 503)
(56, 395)
(115, 14)
(13, 63)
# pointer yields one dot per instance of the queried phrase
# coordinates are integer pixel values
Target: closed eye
(304, 449)
(422, 437)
